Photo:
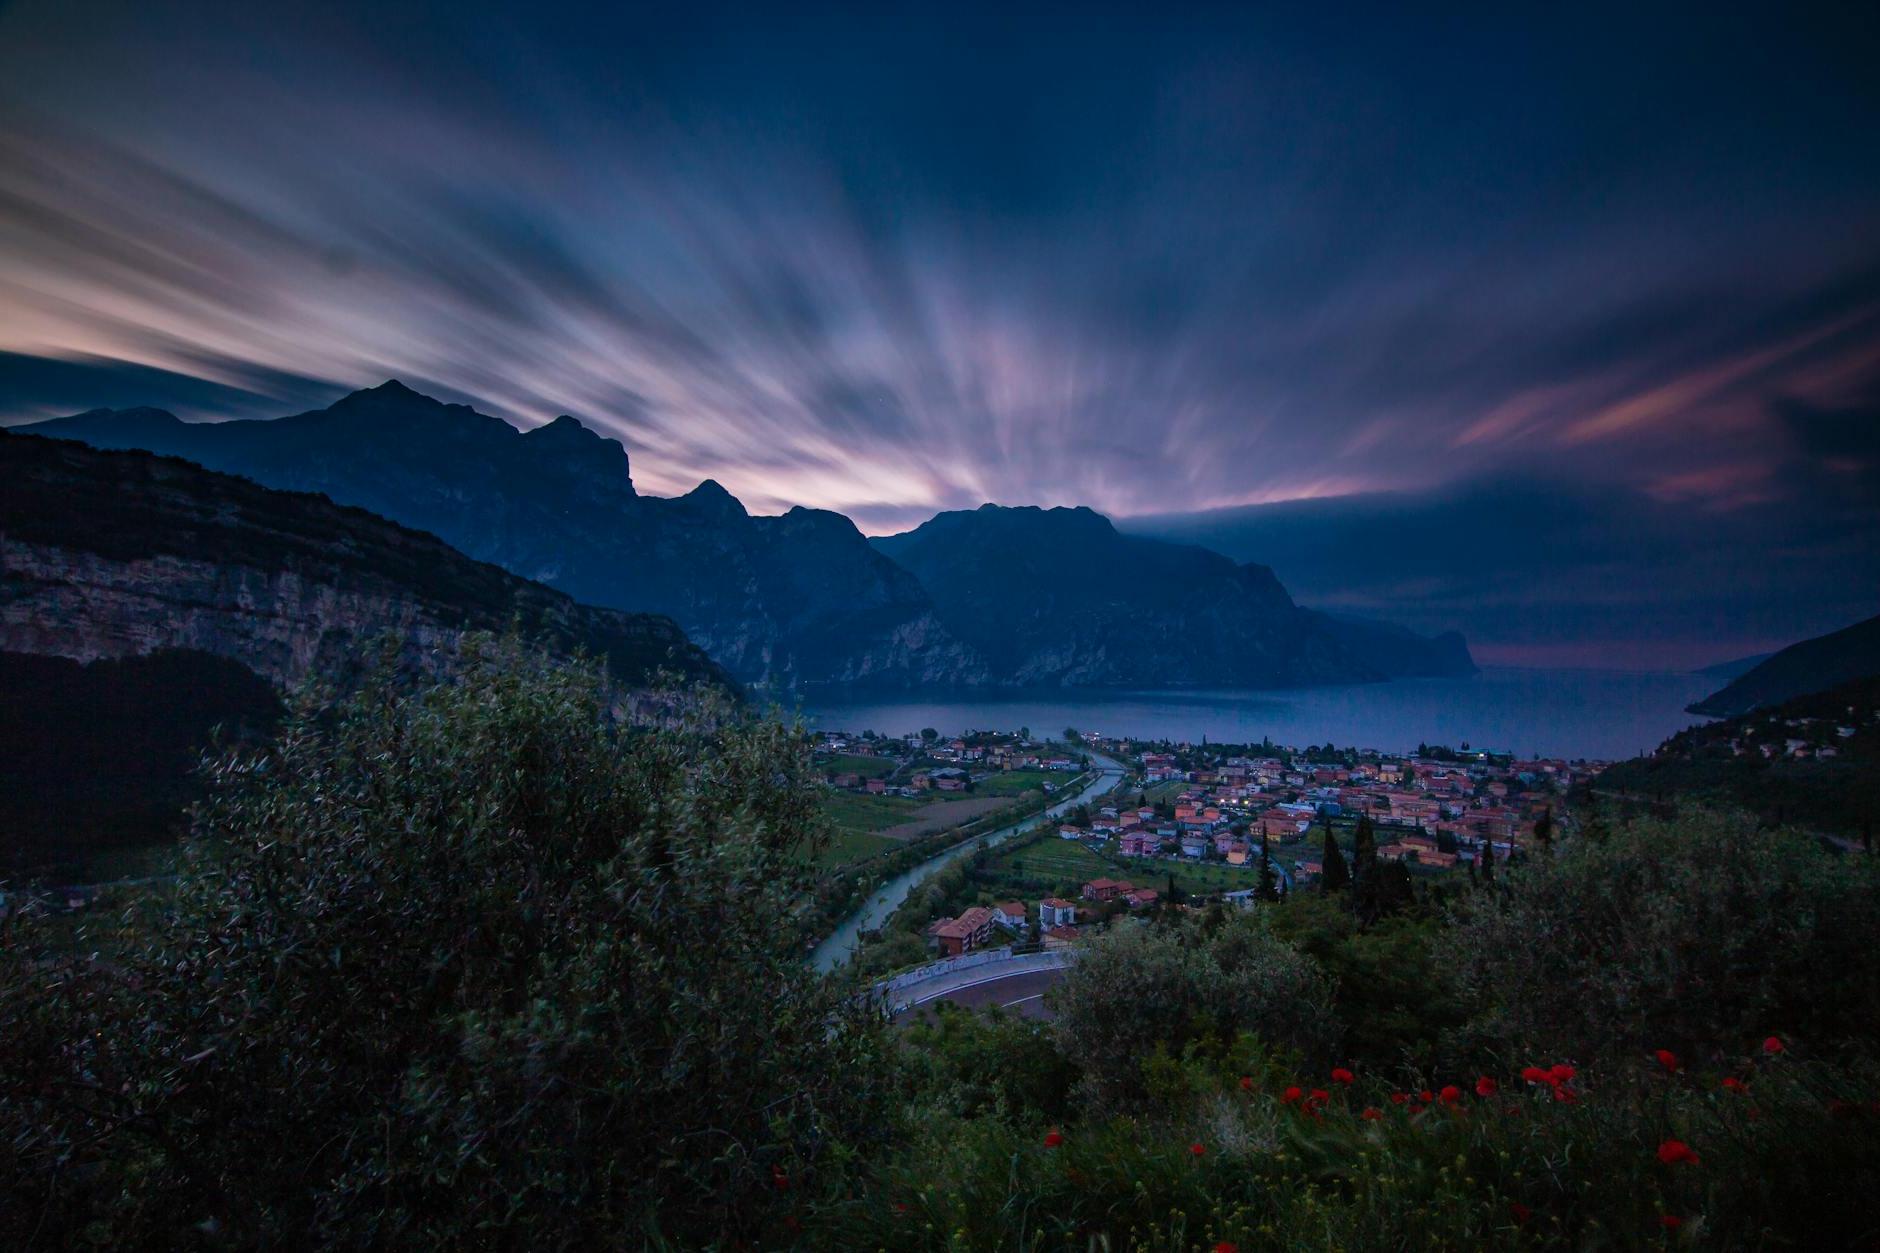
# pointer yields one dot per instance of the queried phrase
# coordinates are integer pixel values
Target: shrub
(452, 966)
(1688, 935)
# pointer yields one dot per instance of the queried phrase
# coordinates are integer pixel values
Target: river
(887, 898)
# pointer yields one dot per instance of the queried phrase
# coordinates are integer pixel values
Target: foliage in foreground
(458, 965)
(478, 965)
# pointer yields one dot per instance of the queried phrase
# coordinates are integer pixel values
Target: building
(969, 931)
(1106, 889)
(1053, 912)
(1010, 915)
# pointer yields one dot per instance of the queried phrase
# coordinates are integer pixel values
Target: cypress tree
(1267, 890)
(1486, 855)
(1544, 828)
(1333, 876)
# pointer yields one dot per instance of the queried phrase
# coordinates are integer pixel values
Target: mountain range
(993, 597)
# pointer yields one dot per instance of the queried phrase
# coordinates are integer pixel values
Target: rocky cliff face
(1059, 597)
(779, 602)
(121, 554)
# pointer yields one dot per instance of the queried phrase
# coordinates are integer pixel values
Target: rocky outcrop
(1844, 656)
(122, 554)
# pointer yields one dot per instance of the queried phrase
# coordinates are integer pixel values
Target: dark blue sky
(1608, 264)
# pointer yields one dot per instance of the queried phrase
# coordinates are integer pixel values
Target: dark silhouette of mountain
(1059, 596)
(1724, 671)
(800, 598)
(1810, 666)
(1399, 652)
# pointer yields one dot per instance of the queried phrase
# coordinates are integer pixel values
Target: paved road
(1021, 994)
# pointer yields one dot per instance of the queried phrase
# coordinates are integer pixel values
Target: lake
(1598, 714)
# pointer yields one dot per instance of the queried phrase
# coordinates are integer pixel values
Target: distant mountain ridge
(1815, 665)
(797, 600)
(1060, 597)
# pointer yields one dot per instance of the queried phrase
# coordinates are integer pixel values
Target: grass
(858, 812)
(855, 763)
(845, 848)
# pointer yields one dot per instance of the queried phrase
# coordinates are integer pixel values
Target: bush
(1137, 988)
(453, 966)
(1691, 935)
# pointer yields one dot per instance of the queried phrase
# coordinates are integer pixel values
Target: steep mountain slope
(777, 601)
(145, 600)
(1058, 596)
(1810, 666)
(118, 554)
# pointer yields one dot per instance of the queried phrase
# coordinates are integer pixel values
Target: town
(1192, 825)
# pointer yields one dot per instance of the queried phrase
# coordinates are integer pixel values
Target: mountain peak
(712, 497)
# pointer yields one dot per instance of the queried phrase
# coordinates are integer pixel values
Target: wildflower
(1371, 1113)
(1565, 1095)
(1675, 1152)
(1319, 1097)
(1227, 1246)
(1341, 1075)
(1292, 1096)
(780, 1179)
(1426, 1096)
(1198, 1149)
(1398, 1098)
(1246, 1083)
(1561, 1073)
(1486, 1086)
(1451, 1094)
(1732, 1084)
(1670, 1222)
(1669, 1061)
(1774, 1045)
(1053, 1138)
(1521, 1212)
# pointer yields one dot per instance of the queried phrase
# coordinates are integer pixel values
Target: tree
(1071, 736)
(1486, 856)
(1333, 875)
(1544, 828)
(929, 734)
(1267, 891)
(433, 974)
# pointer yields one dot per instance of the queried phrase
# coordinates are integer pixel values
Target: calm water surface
(1604, 714)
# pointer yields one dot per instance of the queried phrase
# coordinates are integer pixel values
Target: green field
(848, 847)
(1055, 861)
(854, 763)
(857, 811)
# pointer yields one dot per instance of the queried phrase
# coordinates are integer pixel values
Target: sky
(1599, 285)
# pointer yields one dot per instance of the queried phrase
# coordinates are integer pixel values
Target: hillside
(1810, 666)
(146, 599)
(797, 599)
(1813, 761)
(1059, 596)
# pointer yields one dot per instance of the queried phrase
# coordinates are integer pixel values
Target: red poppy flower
(900, 1207)
(1561, 1073)
(1676, 1152)
(780, 1179)
(1426, 1096)
(1521, 1212)
(1451, 1094)
(1227, 1246)
(1371, 1114)
(1565, 1095)
(1292, 1096)
(1246, 1083)
(1341, 1075)
(1398, 1098)
(1669, 1060)
(1053, 1138)
(1320, 1096)
(1534, 1074)
(1774, 1045)
(1198, 1149)
(1733, 1084)
(1486, 1086)
(1670, 1222)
